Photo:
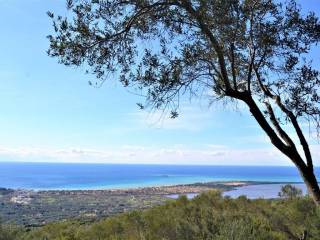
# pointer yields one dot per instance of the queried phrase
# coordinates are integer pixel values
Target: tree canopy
(253, 51)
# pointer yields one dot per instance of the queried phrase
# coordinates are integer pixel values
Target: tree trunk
(310, 180)
(307, 172)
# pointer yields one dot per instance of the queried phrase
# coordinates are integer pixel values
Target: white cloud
(215, 155)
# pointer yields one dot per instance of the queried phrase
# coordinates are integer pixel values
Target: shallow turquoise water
(106, 176)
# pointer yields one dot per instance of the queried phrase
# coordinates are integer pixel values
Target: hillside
(208, 216)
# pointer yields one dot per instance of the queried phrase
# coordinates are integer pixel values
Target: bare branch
(277, 126)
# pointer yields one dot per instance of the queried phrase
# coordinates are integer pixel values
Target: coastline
(34, 208)
(152, 190)
(63, 176)
(133, 187)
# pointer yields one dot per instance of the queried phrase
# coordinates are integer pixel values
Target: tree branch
(218, 49)
(234, 77)
(289, 151)
(292, 118)
(277, 126)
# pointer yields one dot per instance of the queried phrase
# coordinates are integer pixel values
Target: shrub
(290, 191)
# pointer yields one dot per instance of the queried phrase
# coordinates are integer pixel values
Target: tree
(290, 191)
(250, 51)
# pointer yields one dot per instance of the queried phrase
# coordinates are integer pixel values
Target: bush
(9, 232)
(208, 216)
(290, 191)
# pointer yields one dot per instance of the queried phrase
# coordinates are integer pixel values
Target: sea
(76, 176)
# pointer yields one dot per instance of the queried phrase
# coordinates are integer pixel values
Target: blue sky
(50, 113)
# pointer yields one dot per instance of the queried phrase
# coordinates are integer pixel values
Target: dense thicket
(10, 232)
(208, 216)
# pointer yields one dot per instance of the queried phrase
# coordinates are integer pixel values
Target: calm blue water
(104, 176)
(261, 191)
(252, 191)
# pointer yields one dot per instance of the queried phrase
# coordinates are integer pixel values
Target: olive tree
(289, 191)
(252, 51)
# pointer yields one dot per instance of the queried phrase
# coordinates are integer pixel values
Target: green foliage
(290, 191)
(172, 48)
(9, 232)
(208, 216)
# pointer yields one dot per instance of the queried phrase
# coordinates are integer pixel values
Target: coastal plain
(32, 208)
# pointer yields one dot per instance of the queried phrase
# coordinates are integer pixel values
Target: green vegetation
(208, 216)
(37, 208)
(9, 232)
(289, 191)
